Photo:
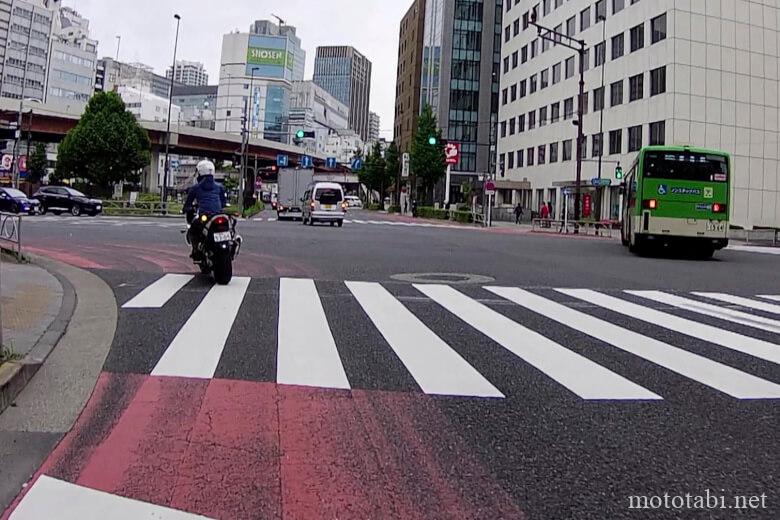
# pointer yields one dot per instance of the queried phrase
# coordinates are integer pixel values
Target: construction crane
(281, 22)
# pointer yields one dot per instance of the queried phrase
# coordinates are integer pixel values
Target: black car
(59, 199)
(15, 201)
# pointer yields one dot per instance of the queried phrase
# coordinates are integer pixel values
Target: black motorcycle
(216, 245)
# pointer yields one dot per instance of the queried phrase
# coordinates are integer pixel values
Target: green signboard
(266, 56)
(290, 60)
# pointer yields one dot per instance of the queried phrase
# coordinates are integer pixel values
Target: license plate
(327, 206)
(716, 225)
(224, 236)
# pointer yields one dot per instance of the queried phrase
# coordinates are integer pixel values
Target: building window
(523, 89)
(534, 48)
(559, 30)
(658, 29)
(543, 116)
(571, 26)
(545, 45)
(521, 123)
(529, 156)
(556, 73)
(513, 93)
(618, 46)
(637, 37)
(569, 67)
(568, 108)
(584, 149)
(511, 126)
(601, 54)
(601, 9)
(507, 33)
(598, 99)
(555, 112)
(514, 60)
(532, 119)
(636, 87)
(542, 150)
(525, 21)
(584, 19)
(658, 133)
(546, 7)
(616, 93)
(524, 54)
(566, 150)
(516, 27)
(585, 103)
(503, 128)
(520, 156)
(615, 142)
(533, 84)
(510, 161)
(504, 96)
(597, 139)
(553, 152)
(657, 81)
(618, 5)
(635, 138)
(506, 64)
(544, 79)
(586, 60)
(501, 161)
(558, 3)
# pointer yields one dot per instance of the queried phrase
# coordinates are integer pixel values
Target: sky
(148, 30)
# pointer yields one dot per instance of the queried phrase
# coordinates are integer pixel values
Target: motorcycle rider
(210, 197)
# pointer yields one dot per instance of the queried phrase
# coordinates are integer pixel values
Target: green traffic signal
(618, 173)
(432, 140)
(299, 134)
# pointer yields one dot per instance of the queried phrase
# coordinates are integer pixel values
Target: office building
(146, 106)
(256, 75)
(190, 73)
(138, 76)
(459, 56)
(346, 74)
(409, 75)
(198, 105)
(72, 63)
(342, 144)
(374, 123)
(312, 109)
(697, 73)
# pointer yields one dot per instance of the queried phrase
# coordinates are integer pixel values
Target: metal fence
(756, 236)
(127, 208)
(11, 232)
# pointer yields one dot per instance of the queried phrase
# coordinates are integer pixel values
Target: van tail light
(650, 204)
(344, 206)
(719, 208)
(311, 205)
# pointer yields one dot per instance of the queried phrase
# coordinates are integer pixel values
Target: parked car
(59, 199)
(324, 202)
(15, 201)
(353, 201)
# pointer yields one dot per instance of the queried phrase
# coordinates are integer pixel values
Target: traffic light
(432, 140)
(301, 134)
(618, 173)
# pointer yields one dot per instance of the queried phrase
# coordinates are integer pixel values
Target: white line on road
(742, 302)
(436, 367)
(577, 373)
(725, 338)
(54, 498)
(158, 293)
(742, 318)
(272, 219)
(307, 353)
(773, 297)
(756, 249)
(196, 349)
(710, 373)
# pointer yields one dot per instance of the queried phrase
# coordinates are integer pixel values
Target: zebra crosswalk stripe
(197, 348)
(436, 367)
(582, 376)
(711, 373)
(742, 302)
(773, 297)
(157, 294)
(742, 318)
(306, 353)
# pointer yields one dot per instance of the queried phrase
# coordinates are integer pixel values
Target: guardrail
(757, 236)
(141, 209)
(584, 227)
(11, 232)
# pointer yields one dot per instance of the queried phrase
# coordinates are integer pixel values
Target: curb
(14, 376)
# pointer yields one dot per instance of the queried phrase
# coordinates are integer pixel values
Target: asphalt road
(326, 397)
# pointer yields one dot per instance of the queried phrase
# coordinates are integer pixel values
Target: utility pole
(170, 105)
(599, 188)
(18, 132)
(579, 46)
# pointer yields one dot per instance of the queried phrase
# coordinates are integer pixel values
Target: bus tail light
(719, 208)
(650, 204)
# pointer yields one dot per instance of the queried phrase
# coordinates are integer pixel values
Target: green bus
(677, 196)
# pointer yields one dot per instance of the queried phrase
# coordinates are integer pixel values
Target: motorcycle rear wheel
(223, 268)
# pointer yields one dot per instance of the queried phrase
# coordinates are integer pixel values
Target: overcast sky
(147, 28)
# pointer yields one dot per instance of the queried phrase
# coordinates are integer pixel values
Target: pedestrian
(406, 206)
(545, 211)
(518, 213)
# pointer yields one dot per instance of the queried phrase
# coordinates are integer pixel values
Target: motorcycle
(217, 246)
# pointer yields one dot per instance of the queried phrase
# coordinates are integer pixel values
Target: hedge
(464, 217)
(429, 212)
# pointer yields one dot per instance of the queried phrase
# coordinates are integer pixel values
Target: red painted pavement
(237, 449)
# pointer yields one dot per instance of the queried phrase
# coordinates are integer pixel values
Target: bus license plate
(224, 236)
(716, 225)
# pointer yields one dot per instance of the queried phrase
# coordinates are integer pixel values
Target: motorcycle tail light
(312, 205)
(221, 223)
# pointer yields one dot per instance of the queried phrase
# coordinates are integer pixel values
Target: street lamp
(603, 20)
(170, 103)
(245, 140)
(18, 134)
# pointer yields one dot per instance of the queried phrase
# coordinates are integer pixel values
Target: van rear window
(327, 196)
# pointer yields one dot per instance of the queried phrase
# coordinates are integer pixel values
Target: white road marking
(272, 219)
(756, 249)
(307, 353)
(579, 374)
(743, 318)
(725, 338)
(158, 293)
(742, 302)
(773, 297)
(196, 349)
(710, 373)
(436, 367)
(358, 221)
(54, 498)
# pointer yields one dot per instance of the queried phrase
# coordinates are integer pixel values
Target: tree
(427, 160)
(37, 163)
(392, 164)
(106, 147)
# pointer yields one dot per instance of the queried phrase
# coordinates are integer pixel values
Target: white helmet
(205, 168)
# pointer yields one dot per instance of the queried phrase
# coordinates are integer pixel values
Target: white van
(324, 202)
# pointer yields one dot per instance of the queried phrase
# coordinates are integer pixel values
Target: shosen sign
(269, 57)
(265, 56)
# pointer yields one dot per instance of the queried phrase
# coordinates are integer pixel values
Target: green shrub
(373, 207)
(429, 212)
(464, 217)
(394, 209)
(253, 210)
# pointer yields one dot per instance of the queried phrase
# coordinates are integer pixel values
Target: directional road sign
(330, 162)
(306, 161)
(357, 164)
(282, 161)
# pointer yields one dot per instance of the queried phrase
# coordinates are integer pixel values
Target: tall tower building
(346, 74)
(190, 73)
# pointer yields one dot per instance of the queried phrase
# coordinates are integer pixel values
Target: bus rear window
(686, 166)
(328, 196)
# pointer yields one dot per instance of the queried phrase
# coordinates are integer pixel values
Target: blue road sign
(600, 182)
(282, 161)
(306, 161)
(357, 164)
(330, 162)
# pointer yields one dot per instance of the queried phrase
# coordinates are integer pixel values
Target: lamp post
(170, 103)
(245, 141)
(603, 20)
(18, 133)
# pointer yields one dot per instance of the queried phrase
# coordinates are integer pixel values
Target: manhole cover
(448, 278)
